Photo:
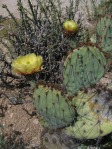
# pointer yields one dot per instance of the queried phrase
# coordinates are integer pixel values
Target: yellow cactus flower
(27, 64)
(70, 26)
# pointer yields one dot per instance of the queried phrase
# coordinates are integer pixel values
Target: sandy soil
(20, 121)
(12, 5)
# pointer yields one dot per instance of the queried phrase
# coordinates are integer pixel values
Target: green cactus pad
(54, 107)
(104, 33)
(82, 103)
(82, 68)
(104, 28)
(105, 7)
(89, 128)
(95, 115)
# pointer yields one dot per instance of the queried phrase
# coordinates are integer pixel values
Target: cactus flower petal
(27, 64)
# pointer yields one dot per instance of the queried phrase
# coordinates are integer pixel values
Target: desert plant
(51, 104)
(40, 31)
(105, 7)
(95, 119)
(82, 68)
(74, 61)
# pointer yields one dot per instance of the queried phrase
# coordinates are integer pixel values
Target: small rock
(35, 121)
(11, 115)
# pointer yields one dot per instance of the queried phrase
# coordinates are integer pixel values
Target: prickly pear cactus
(105, 7)
(104, 33)
(89, 128)
(83, 67)
(54, 107)
(95, 115)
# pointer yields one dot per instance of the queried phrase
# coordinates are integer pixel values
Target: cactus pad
(104, 33)
(95, 116)
(105, 7)
(89, 128)
(54, 107)
(82, 68)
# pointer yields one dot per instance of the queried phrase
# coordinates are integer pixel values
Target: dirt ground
(18, 117)
(20, 121)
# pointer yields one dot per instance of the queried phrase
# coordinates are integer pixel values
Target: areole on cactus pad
(54, 107)
(83, 67)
